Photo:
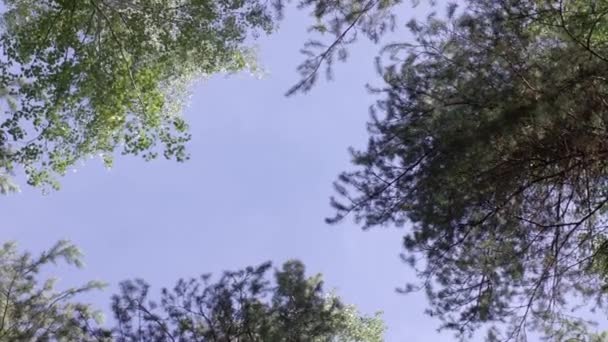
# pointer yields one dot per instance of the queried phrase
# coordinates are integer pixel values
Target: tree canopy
(489, 142)
(243, 306)
(98, 77)
(88, 78)
(30, 307)
(246, 306)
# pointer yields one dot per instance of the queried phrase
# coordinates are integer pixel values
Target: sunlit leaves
(31, 309)
(96, 76)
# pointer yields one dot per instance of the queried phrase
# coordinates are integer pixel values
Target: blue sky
(256, 189)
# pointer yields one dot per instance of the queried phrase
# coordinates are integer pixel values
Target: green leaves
(31, 309)
(94, 76)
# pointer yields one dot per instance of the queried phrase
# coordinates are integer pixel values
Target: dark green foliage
(241, 306)
(490, 142)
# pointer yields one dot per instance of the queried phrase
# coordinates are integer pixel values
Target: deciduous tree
(87, 78)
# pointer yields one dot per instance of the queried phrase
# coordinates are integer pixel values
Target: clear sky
(256, 189)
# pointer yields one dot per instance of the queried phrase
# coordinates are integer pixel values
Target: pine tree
(489, 143)
(30, 307)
